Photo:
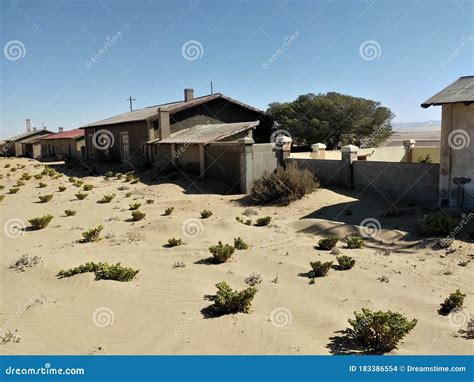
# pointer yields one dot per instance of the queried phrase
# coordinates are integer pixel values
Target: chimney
(61, 129)
(164, 123)
(188, 94)
(28, 125)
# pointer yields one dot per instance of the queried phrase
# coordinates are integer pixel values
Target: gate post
(349, 155)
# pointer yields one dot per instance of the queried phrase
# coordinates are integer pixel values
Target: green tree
(333, 119)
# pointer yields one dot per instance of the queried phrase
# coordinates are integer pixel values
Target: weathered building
(22, 145)
(65, 143)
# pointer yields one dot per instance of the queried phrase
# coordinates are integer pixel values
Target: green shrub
(438, 224)
(81, 195)
(93, 234)
(328, 243)
(261, 222)
(455, 300)
(13, 169)
(229, 301)
(62, 188)
(13, 190)
(69, 212)
(345, 262)
(72, 179)
(379, 331)
(169, 211)
(173, 242)
(129, 176)
(19, 183)
(134, 206)
(45, 198)
(425, 159)
(354, 242)
(106, 198)
(103, 271)
(26, 176)
(320, 269)
(40, 222)
(138, 215)
(221, 253)
(87, 187)
(283, 186)
(42, 185)
(150, 201)
(2, 197)
(128, 194)
(38, 176)
(2, 186)
(246, 222)
(206, 214)
(239, 244)
(78, 183)
(109, 174)
(7, 165)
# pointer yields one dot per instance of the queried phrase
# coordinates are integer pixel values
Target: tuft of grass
(62, 188)
(345, 262)
(150, 201)
(254, 279)
(261, 222)
(128, 194)
(239, 244)
(103, 271)
(320, 269)
(69, 212)
(206, 214)
(45, 198)
(40, 222)
(246, 222)
(134, 206)
(19, 183)
(454, 300)
(81, 195)
(92, 234)
(42, 185)
(169, 211)
(229, 301)
(138, 215)
(328, 243)
(173, 242)
(38, 176)
(13, 190)
(106, 198)
(87, 187)
(2, 197)
(221, 253)
(354, 242)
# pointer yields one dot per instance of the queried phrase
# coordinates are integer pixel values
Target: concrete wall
(222, 162)
(422, 151)
(457, 153)
(407, 182)
(264, 159)
(327, 171)
(67, 146)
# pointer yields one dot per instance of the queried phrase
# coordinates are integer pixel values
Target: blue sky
(395, 52)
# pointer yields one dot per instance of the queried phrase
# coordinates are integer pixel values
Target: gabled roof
(75, 133)
(23, 136)
(151, 112)
(204, 134)
(461, 90)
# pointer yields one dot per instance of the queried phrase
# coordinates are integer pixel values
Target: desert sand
(159, 312)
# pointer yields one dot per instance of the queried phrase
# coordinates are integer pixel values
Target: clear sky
(396, 52)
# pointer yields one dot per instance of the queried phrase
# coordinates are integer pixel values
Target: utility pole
(130, 99)
(212, 90)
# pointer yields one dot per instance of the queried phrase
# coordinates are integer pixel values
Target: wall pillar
(173, 154)
(445, 155)
(349, 155)
(318, 151)
(202, 164)
(283, 149)
(409, 144)
(246, 164)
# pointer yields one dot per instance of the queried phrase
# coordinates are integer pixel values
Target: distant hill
(417, 126)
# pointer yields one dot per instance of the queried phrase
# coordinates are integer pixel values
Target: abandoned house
(68, 144)
(456, 179)
(24, 145)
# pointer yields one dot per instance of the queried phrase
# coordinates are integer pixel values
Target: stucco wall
(327, 171)
(417, 152)
(223, 163)
(62, 147)
(264, 160)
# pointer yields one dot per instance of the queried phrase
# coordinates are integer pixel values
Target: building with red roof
(65, 143)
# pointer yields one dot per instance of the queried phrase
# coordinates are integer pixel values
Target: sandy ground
(159, 312)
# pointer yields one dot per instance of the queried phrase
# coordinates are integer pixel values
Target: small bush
(7, 165)
(239, 244)
(40, 222)
(283, 186)
(2, 197)
(169, 211)
(345, 262)
(93, 234)
(221, 253)
(81, 195)
(455, 300)
(13, 169)
(206, 214)
(354, 242)
(173, 242)
(426, 159)
(438, 224)
(69, 212)
(254, 279)
(128, 194)
(109, 174)
(45, 198)
(78, 183)
(87, 187)
(320, 269)
(129, 176)
(179, 264)
(138, 215)
(106, 198)
(26, 261)
(135, 181)
(150, 201)
(379, 331)
(246, 222)
(62, 188)
(261, 222)
(42, 185)
(38, 176)
(103, 271)
(134, 206)
(26, 176)
(229, 301)
(13, 190)
(72, 179)
(328, 243)
(19, 183)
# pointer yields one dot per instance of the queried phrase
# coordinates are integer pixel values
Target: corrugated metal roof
(151, 112)
(23, 136)
(204, 134)
(75, 133)
(461, 90)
